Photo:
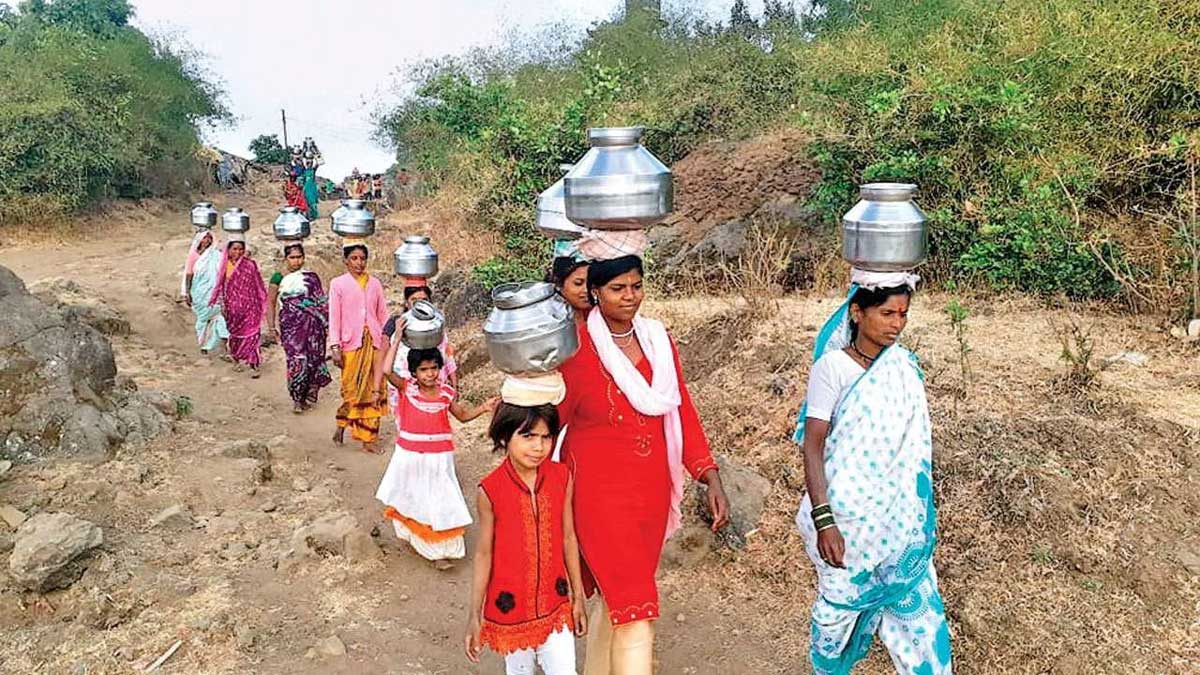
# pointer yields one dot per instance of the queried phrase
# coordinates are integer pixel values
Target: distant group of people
(367, 186)
(300, 187)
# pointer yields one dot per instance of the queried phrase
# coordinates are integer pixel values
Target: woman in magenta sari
(243, 299)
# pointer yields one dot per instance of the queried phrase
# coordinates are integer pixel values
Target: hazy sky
(331, 63)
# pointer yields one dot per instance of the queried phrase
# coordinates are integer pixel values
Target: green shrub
(267, 149)
(92, 107)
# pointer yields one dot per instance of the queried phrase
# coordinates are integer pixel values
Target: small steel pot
(416, 258)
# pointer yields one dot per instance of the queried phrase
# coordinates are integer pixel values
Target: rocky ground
(238, 535)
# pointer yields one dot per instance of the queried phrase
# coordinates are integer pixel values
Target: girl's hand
(579, 614)
(336, 355)
(718, 503)
(832, 547)
(187, 299)
(472, 641)
(490, 404)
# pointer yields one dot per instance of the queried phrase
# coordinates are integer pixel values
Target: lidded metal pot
(531, 330)
(416, 258)
(354, 219)
(552, 211)
(885, 231)
(203, 215)
(424, 326)
(618, 184)
(235, 220)
(291, 224)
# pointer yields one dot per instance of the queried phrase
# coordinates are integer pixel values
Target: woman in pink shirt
(357, 312)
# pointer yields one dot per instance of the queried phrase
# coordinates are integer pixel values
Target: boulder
(747, 492)
(335, 534)
(257, 456)
(48, 550)
(57, 391)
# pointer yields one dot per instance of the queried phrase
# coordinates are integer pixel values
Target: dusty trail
(235, 611)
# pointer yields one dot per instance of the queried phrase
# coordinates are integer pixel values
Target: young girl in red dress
(527, 590)
(420, 488)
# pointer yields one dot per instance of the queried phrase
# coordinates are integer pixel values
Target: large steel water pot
(354, 220)
(424, 326)
(552, 211)
(531, 330)
(618, 184)
(203, 215)
(291, 224)
(885, 231)
(235, 220)
(416, 258)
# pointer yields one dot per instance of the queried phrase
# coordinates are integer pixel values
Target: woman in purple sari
(303, 326)
(243, 300)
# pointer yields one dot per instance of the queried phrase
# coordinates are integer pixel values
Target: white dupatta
(658, 398)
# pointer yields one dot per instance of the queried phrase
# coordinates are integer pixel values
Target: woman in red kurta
(633, 431)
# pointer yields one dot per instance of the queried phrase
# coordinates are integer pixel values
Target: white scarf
(659, 398)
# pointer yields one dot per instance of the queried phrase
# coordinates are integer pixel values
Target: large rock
(81, 304)
(48, 550)
(335, 534)
(747, 492)
(57, 383)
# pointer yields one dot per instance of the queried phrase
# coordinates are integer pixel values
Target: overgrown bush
(1030, 126)
(267, 149)
(91, 107)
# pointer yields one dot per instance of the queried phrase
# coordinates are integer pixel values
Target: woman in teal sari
(311, 194)
(200, 275)
(868, 518)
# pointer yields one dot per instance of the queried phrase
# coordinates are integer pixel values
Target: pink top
(351, 307)
(423, 424)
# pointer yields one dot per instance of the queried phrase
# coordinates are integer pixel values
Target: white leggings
(556, 656)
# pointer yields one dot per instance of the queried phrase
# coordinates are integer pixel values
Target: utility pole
(283, 116)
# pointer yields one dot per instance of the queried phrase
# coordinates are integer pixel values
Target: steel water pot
(552, 218)
(354, 219)
(235, 220)
(416, 258)
(203, 215)
(424, 326)
(531, 330)
(291, 224)
(885, 231)
(618, 184)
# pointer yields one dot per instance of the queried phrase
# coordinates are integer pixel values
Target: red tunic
(622, 483)
(528, 595)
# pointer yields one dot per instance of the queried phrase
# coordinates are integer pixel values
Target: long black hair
(511, 419)
(600, 272)
(866, 298)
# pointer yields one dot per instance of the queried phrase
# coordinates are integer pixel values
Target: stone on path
(335, 534)
(1193, 328)
(176, 516)
(12, 515)
(1136, 359)
(331, 646)
(747, 492)
(300, 484)
(46, 550)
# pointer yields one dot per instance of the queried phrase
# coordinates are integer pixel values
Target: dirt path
(221, 588)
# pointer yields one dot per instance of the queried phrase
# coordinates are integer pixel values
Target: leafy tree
(740, 21)
(98, 17)
(268, 150)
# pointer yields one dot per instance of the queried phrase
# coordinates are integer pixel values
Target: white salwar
(556, 656)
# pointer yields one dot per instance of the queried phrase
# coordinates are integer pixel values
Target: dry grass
(757, 275)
